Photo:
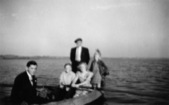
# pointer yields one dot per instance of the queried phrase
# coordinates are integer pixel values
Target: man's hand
(67, 88)
(42, 93)
(61, 86)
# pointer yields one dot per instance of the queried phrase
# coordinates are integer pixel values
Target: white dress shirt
(78, 53)
(30, 77)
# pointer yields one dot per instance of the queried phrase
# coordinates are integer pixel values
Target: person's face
(82, 67)
(68, 68)
(96, 56)
(79, 43)
(32, 69)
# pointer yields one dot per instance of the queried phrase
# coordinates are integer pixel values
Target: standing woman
(99, 70)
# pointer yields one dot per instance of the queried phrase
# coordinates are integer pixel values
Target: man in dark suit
(79, 54)
(24, 88)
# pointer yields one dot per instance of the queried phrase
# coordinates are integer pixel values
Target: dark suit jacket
(85, 57)
(23, 90)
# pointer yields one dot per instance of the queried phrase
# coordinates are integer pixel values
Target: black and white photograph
(84, 52)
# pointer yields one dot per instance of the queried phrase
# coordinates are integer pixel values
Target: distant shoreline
(29, 57)
(66, 57)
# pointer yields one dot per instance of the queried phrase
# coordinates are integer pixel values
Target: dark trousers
(75, 65)
(68, 94)
(61, 93)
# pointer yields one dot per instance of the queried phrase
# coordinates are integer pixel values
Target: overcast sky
(119, 28)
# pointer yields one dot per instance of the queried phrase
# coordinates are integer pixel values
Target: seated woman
(84, 76)
(66, 79)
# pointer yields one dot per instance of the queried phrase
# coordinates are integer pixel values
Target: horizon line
(53, 56)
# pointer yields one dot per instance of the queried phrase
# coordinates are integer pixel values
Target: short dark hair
(67, 64)
(31, 63)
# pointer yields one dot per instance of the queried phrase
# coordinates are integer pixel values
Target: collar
(79, 47)
(30, 77)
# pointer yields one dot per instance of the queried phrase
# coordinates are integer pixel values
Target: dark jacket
(23, 90)
(85, 57)
(102, 68)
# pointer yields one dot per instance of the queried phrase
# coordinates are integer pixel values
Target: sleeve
(17, 90)
(90, 75)
(71, 55)
(103, 68)
(88, 56)
(91, 66)
(75, 79)
(61, 78)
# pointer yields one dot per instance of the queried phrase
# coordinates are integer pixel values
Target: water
(131, 81)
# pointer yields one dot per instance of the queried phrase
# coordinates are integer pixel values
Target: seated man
(66, 78)
(24, 88)
(84, 77)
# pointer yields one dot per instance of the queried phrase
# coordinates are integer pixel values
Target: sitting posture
(99, 70)
(66, 79)
(84, 76)
(24, 88)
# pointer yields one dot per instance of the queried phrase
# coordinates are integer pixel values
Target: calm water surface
(131, 81)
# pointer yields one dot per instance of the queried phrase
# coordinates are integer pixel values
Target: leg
(74, 67)
(70, 93)
(59, 93)
(99, 85)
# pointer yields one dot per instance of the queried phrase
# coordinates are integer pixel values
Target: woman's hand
(75, 85)
(61, 86)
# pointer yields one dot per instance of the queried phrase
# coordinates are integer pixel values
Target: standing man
(79, 54)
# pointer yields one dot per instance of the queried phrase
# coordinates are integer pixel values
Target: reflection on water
(131, 81)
